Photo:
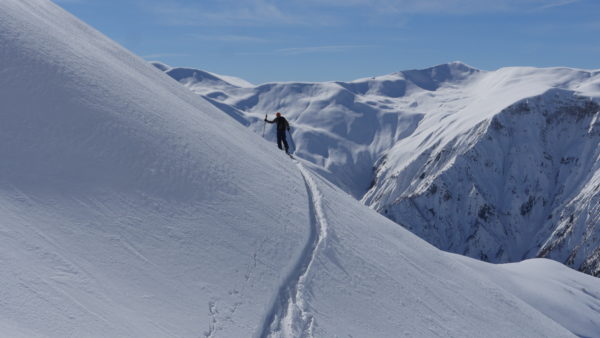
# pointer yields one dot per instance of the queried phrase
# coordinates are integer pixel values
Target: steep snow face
(129, 206)
(508, 173)
(500, 166)
(520, 184)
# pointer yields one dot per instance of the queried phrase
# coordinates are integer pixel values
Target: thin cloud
(222, 13)
(558, 4)
(230, 38)
(320, 49)
(393, 7)
(239, 13)
(307, 50)
(163, 55)
(252, 13)
(70, 1)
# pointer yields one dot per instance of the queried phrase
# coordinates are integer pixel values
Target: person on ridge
(282, 126)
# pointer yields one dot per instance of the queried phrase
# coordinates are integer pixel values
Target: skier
(282, 126)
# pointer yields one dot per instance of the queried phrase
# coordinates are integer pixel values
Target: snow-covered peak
(163, 67)
(363, 119)
(434, 77)
(196, 77)
(198, 80)
(402, 122)
(131, 207)
(236, 81)
(402, 83)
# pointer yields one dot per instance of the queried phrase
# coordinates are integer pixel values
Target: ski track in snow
(288, 316)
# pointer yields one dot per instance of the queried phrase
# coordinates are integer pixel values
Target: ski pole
(264, 125)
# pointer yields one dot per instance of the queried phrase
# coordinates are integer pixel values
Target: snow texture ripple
(131, 207)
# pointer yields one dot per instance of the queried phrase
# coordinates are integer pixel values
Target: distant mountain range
(498, 165)
(131, 207)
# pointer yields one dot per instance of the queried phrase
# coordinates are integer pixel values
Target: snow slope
(534, 279)
(132, 208)
(342, 128)
(453, 161)
(367, 268)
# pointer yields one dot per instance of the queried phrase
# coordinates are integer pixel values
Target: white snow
(126, 204)
(130, 207)
(417, 146)
(533, 280)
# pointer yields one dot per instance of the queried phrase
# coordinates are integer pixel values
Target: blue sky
(320, 40)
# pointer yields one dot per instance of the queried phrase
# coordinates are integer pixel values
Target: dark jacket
(282, 123)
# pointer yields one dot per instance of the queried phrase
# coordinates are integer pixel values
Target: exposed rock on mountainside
(130, 207)
(522, 184)
(500, 166)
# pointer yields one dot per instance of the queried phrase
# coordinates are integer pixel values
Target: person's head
(278, 114)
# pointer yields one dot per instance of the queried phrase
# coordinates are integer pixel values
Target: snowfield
(131, 207)
(500, 166)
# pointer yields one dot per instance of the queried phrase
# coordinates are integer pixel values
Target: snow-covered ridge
(406, 122)
(130, 207)
(504, 190)
(191, 78)
(343, 128)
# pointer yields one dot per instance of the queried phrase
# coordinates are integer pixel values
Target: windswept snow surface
(500, 166)
(372, 278)
(533, 280)
(130, 207)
